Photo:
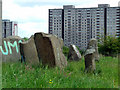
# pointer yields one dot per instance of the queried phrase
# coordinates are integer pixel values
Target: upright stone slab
(74, 53)
(93, 45)
(10, 49)
(91, 55)
(49, 48)
(29, 52)
(90, 60)
(60, 42)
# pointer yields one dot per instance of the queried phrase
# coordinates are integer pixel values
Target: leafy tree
(109, 45)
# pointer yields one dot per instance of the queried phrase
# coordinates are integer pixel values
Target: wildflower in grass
(70, 73)
(50, 81)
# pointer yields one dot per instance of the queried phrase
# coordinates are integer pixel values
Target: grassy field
(17, 75)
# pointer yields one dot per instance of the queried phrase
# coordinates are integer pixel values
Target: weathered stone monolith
(90, 60)
(91, 55)
(10, 49)
(28, 52)
(49, 48)
(74, 53)
(94, 45)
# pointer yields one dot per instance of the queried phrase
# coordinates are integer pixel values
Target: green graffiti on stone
(8, 47)
(13, 45)
(5, 44)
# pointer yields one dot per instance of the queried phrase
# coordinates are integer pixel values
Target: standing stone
(90, 60)
(49, 49)
(10, 47)
(28, 52)
(91, 55)
(60, 42)
(74, 53)
(93, 44)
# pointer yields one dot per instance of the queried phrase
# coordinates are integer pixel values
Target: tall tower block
(119, 4)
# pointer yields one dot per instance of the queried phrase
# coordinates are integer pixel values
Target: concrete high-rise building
(56, 22)
(78, 25)
(10, 28)
(119, 4)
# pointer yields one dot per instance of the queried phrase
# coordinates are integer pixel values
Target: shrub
(109, 46)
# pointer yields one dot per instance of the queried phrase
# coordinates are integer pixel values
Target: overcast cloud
(32, 15)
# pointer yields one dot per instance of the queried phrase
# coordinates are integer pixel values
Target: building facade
(119, 4)
(10, 28)
(78, 25)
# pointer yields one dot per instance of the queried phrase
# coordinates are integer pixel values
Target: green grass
(17, 75)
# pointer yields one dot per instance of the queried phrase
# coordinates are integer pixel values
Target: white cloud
(30, 28)
(14, 11)
(25, 16)
(112, 3)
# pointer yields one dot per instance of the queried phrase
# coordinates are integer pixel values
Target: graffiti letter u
(5, 44)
